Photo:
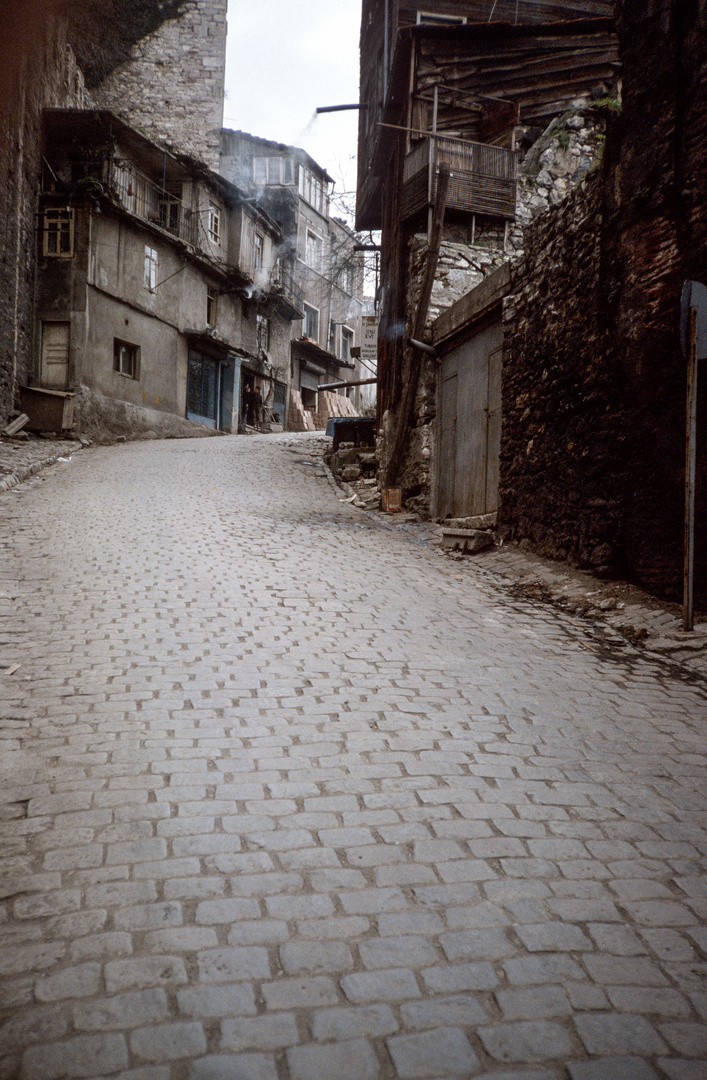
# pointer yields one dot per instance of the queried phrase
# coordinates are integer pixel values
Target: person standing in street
(257, 402)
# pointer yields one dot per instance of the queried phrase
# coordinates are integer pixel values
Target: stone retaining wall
(563, 424)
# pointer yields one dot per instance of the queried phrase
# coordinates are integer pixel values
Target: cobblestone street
(288, 796)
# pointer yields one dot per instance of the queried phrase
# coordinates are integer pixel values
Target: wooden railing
(483, 178)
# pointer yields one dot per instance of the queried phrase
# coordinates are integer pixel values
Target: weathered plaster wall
(171, 87)
(45, 47)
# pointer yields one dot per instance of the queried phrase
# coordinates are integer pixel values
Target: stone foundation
(104, 419)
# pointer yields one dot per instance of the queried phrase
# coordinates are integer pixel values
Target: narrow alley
(287, 796)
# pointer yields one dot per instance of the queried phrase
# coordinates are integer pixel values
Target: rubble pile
(354, 468)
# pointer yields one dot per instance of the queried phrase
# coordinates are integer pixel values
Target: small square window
(150, 268)
(58, 233)
(126, 359)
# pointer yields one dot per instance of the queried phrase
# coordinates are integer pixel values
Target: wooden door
(469, 426)
(447, 443)
(55, 355)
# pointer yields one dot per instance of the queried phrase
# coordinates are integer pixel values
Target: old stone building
(38, 69)
(151, 271)
(585, 394)
(593, 450)
(318, 265)
(501, 105)
(56, 54)
(171, 85)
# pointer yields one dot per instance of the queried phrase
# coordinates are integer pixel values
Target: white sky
(283, 59)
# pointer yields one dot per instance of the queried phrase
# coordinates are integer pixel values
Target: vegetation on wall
(102, 32)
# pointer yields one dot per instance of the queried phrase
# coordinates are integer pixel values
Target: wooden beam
(407, 406)
(472, 306)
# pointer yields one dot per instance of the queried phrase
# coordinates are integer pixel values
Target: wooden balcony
(141, 196)
(483, 178)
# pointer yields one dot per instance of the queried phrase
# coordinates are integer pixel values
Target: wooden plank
(447, 441)
(18, 423)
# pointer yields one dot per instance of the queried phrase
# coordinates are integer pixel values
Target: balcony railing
(147, 200)
(483, 178)
(282, 284)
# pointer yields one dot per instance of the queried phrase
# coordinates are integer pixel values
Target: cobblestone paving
(287, 797)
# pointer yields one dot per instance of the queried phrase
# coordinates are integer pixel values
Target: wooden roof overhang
(539, 69)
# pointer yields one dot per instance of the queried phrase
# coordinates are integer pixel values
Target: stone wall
(38, 70)
(551, 169)
(562, 482)
(172, 85)
(656, 238)
(555, 164)
(594, 377)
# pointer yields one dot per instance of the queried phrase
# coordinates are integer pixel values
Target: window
(214, 224)
(313, 250)
(150, 268)
(314, 190)
(211, 295)
(332, 338)
(427, 18)
(311, 323)
(273, 171)
(347, 340)
(347, 280)
(262, 333)
(126, 359)
(169, 213)
(258, 247)
(58, 233)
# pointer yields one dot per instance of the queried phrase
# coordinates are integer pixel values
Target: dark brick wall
(562, 422)
(594, 379)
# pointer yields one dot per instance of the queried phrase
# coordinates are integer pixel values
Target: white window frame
(310, 313)
(214, 224)
(258, 250)
(313, 250)
(151, 265)
(347, 334)
(57, 227)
